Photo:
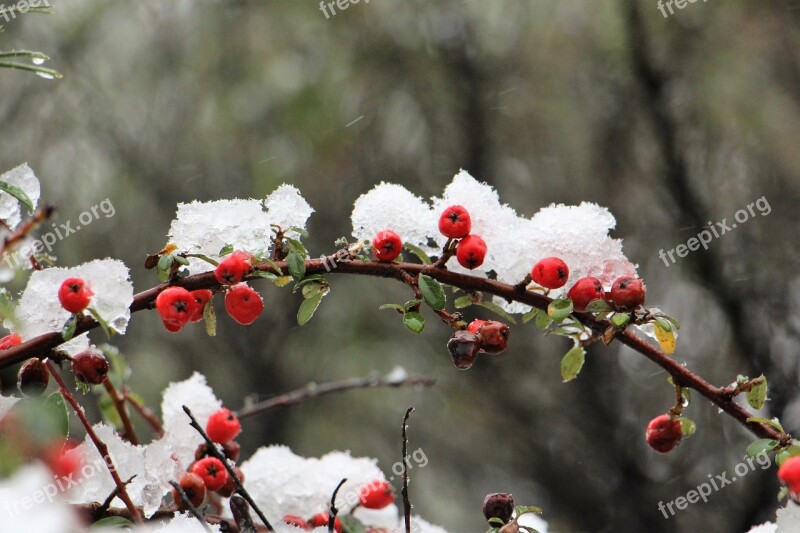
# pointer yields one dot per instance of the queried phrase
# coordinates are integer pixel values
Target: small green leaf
(494, 521)
(530, 315)
(572, 363)
(181, 260)
(598, 306)
(205, 258)
(351, 524)
(791, 451)
(432, 291)
(266, 275)
(463, 301)
(55, 404)
(496, 309)
(313, 278)
(210, 319)
(688, 427)
(560, 309)
(112, 521)
(757, 394)
(397, 307)
(300, 231)
(165, 262)
(783, 493)
(411, 304)
(666, 325)
(414, 321)
(297, 265)
(418, 252)
(760, 446)
(283, 281)
(312, 289)
(619, 320)
(100, 320)
(225, 250)
(770, 422)
(520, 510)
(17, 193)
(297, 246)
(309, 307)
(543, 321)
(274, 266)
(68, 331)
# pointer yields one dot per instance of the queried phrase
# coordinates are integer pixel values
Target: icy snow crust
(577, 234)
(10, 208)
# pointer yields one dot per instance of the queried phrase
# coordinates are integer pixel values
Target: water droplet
(45, 75)
(38, 60)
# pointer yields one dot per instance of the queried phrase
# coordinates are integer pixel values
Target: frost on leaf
(39, 310)
(11, 210)
(577, 234)
(207, 227)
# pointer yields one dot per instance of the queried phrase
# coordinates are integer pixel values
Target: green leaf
(530, 315)
(496, 309)
(757, 394)
(55, 404)
(520, 510)
(165, 262)
(297, 265)
(225, 250)
(560, 309)
(791, 451)
(283, 281)
(414, 321)
(598, 306)
(761, 420)
(411, 304)
(543, 320)
(572, 363)
(688, 427)
(313, 278)
(103, 324)
(463, 301)
(666, 325)
(397, 307)
(210, 319)
(783, 493)
(433, 292)
(494, 521)
(619, 320)
(68, 331)
(300, 231)
(418, 252)
(266, 275)
(309, 307)
(312, 289)
(17, 193)
(109, 411)
(760, 446)
(351, 524)
(297, 246)
(274, 266)
(181, 260)
(112, 521)
(205, 258)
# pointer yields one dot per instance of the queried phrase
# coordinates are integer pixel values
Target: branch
(39, 216)
(312, 390)
(42, 345)
(148, 415)
(119, 404)
(404, 491)
(188, 503)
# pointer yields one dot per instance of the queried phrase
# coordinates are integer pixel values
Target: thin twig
(188, 503)
(333, 510)
(119, 404)
(99, 444)
(241, 514)
(404, 490)
(312, 390)
(39, 216)
(212, 449)
(114, 493)
(148, 415)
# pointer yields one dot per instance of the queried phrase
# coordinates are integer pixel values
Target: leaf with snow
(23, 179)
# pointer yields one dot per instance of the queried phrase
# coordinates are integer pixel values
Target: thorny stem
(312, 390)
(404, 491)
(212, 449)
(42, 345)
(119, 405)
(188, 504)
(99, 444)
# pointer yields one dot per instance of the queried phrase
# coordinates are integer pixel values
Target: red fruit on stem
(584, 291)
(493, 336)
(233, 268)
(471, 251)
(74, 295)
(550, 273)
(33, 377)
(322, 519)
(464, 347)
(201, 297)
(90, 367)
(387, 245)
(195, 489)
(230, 485)
(377, 495)
(789, 474)
(664, 433)
(628, 291)
(223, 426)
(212, 471)
(455, 222)
(499, 505)
(176, 306)
(243, 303)
(475, 325)
(10, 341)
(297, 521)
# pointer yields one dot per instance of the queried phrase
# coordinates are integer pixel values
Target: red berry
(475, 325)
(493, 336)
(223, 426)
(464, 347)
(243, 303)
(74, 295)
(64, 461)
(471, 251)
(664, 433)
(201, 297)
(550, 273)
(789, 474)
(9, 341)
(499, 505)
(233, 268)
(455, 222)
(176, 306)
(33, 377)
(230, 484)
(377, 495)
(628, 291)
(212, 471)
(194, 488)
(387, 245)
(90, 367)
(297, 521)
(321, 519)
(584, 291)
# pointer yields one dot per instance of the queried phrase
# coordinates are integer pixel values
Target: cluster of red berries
(178, 306)
(481, 336)
(207, 474)
(375, 495)
(664, 433)
(90, 367)
(789, 475)
(454, 223)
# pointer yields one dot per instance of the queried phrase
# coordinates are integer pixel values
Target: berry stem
(188, 503)
(448, 251)
(119, 404)
(212, 449)
(99, 444)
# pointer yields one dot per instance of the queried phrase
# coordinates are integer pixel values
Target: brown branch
(188, 504)
(119, 405)
(313, 390)
(42, 345)
(404, 490)
(39, 216)
(99, 444)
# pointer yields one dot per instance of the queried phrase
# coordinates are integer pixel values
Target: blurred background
(670, 121)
